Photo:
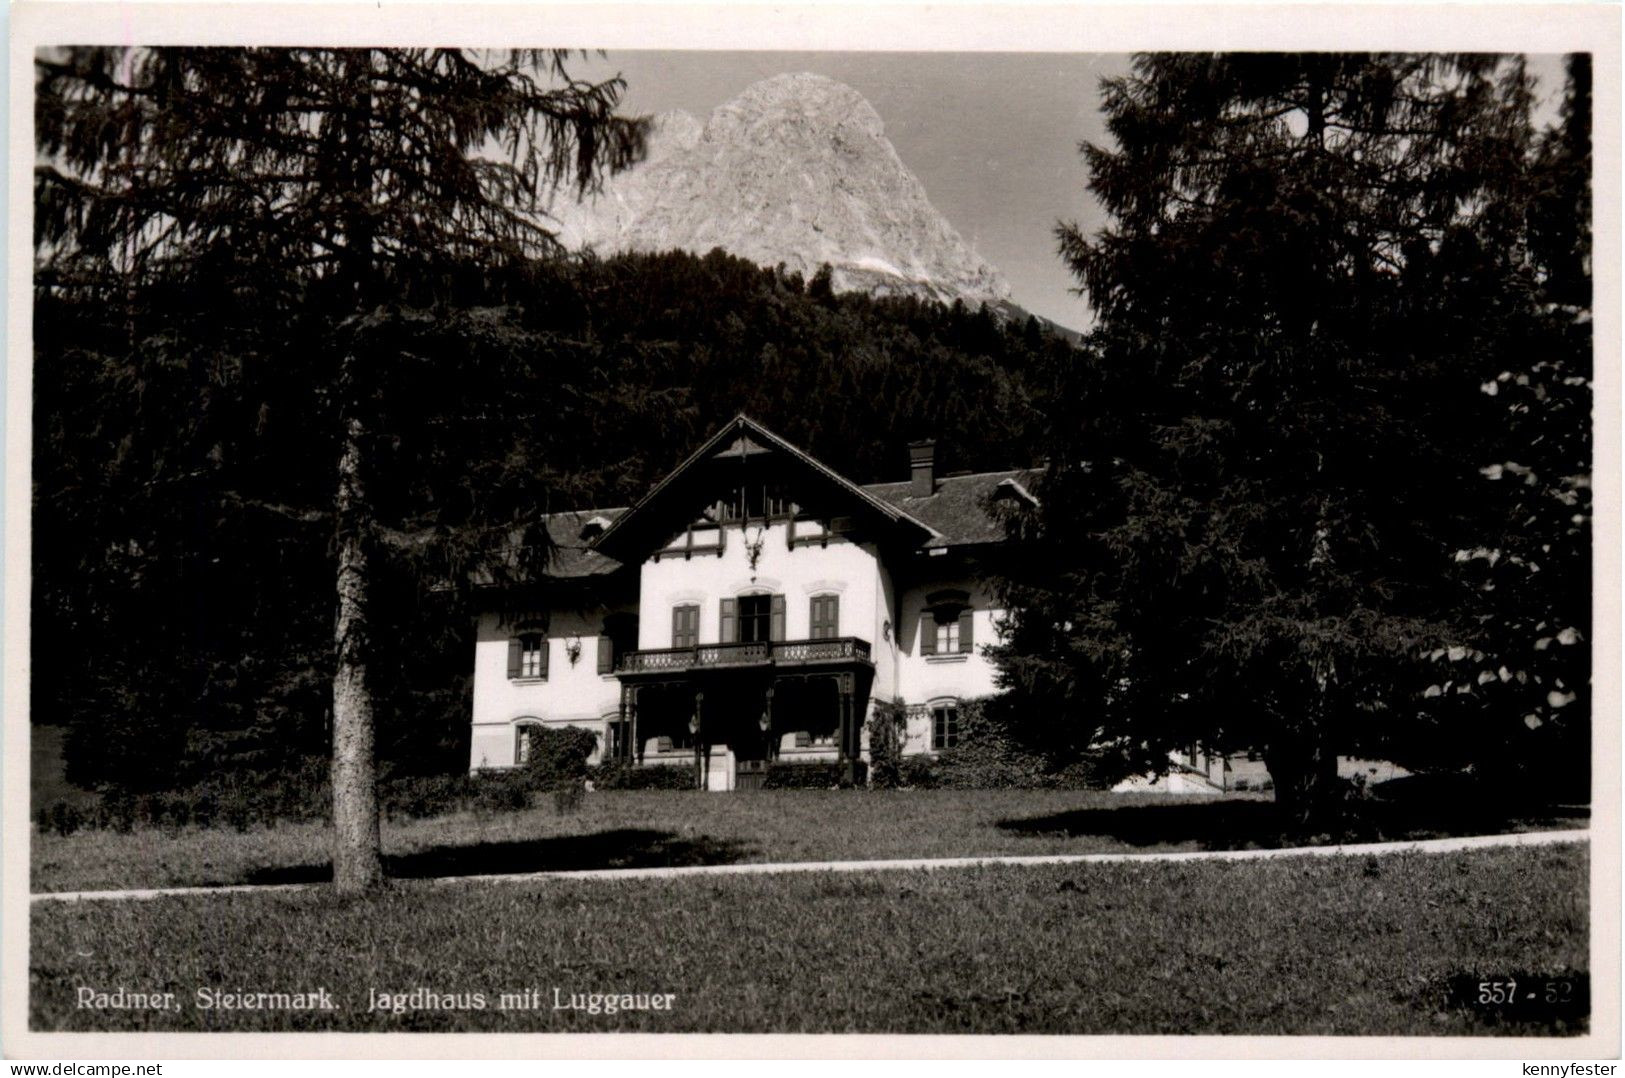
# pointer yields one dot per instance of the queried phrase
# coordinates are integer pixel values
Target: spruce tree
(1248, 526)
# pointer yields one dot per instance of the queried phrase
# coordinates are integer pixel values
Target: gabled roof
(743, 437)
(573, 537)
(959, 510)
(572, 556)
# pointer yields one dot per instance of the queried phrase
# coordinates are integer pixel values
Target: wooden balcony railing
(838, 649)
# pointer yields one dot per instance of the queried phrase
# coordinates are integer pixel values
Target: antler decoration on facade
(753, 549)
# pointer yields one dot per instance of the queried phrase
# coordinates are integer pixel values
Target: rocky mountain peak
(795, 170)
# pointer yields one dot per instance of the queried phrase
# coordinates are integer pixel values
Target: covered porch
(728, 711)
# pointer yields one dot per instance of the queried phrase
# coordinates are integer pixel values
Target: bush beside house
(989, 757)
(241, 800)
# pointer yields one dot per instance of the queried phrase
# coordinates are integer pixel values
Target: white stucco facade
(573, 693)
(863, 595)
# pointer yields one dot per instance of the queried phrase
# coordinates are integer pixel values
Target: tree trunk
(357, 866)
(1303, 767)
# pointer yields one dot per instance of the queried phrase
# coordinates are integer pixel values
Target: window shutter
(825, 617)
(513, 658)
(928, 632)
(544, 647)
(730, 621)
(606, 654)
(803, 739)
(965, 640)
(776, 627)
(679, 621)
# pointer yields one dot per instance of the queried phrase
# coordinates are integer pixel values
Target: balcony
(782, 653)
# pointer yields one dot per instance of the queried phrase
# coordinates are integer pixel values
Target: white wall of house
(572, 694)
(925, 679)
(871, 608)
(850, 570)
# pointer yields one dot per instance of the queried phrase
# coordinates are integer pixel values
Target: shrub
(661, 777)
(63, 817)
(567, 798)
(888, 729)
(916, 771)
(419, 796)
(802, 775)
(502, 791)
(989, 757)
(118, 812)
(558, 756)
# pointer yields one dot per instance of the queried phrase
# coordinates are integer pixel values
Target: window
(755, 614)
(751, 619)
(945, 625)
(524, 738)
(527, 656)
(620, 636)
(616, 733)
(808, 739)
(685, 626)
(826, 617)
(752, 501)
(944, 726)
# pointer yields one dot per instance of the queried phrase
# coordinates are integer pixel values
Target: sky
(993, 136)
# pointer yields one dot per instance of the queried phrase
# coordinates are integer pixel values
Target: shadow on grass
(1403, 809)
(621, 848)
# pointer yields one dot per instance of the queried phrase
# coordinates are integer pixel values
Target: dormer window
(593, 528)
(1009, 490)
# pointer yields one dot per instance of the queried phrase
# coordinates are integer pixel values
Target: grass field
(639, 828)
(1350, 945)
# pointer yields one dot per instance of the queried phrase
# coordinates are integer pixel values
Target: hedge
(802, 775)
(659, 777)
(241, 800)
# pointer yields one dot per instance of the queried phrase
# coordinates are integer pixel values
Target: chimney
(922, 468)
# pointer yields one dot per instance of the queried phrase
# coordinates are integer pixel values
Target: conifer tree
(1312, 261)
(335, 186)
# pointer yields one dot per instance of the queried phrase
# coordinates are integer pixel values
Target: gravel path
(1433, 845)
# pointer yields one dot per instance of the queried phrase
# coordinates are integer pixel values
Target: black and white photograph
(535, 536)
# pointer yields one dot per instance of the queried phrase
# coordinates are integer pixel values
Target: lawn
(638, 828)
(1342, 945)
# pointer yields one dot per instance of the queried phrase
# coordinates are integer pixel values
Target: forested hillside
(185, 439)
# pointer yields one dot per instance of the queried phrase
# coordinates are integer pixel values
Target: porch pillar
(696, 727)
(621, 730)
(848, 736)
(634, 745)
(772, 744)
(843, 734)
